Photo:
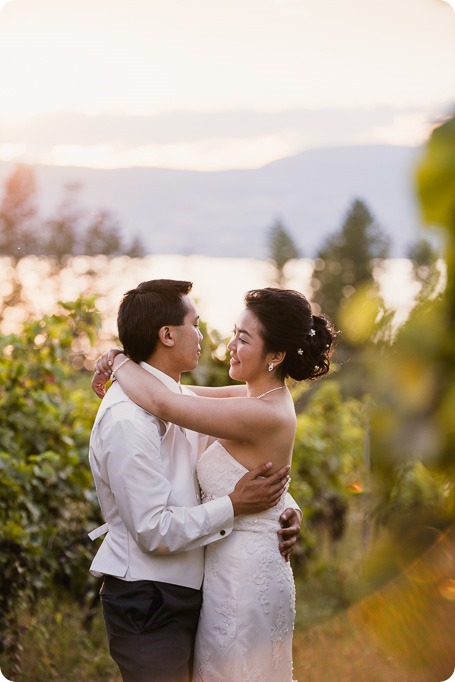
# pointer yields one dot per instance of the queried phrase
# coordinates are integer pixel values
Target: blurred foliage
(411, 374)
(212, 369)
(56, 645)
(19, 214)
(329, 463)
(47, 499)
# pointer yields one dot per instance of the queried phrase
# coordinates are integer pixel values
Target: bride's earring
(271, 366)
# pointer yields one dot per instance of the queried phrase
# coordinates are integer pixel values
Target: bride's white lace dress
(247, 618)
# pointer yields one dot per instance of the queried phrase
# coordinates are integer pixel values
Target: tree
(422, 253)
(424, 259)
(282, 248)
(77, 231)
(19, 214)
(71, 231)
(346, 259)
(63, 230)
(136, 249)
(102, 236)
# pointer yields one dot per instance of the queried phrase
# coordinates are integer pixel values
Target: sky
(218, 84)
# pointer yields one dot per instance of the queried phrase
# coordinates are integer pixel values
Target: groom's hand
(259, 490)
(289, 532)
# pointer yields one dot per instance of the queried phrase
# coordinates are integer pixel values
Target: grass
(56, 646)
(404, 631)
(340, 648)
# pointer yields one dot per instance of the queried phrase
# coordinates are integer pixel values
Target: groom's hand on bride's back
(259, 490)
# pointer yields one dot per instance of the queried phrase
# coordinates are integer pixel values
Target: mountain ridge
(229, 212)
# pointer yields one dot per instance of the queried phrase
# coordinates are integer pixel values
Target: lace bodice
(218, 472)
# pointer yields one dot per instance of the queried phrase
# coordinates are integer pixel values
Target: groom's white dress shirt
(145, 477)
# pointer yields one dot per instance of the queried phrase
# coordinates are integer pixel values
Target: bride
(247, 618)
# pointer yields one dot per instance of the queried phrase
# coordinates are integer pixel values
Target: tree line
(347, 258)
(71, 231)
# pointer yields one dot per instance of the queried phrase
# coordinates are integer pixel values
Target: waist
(127, 562)
(257, 524)
(115, 585)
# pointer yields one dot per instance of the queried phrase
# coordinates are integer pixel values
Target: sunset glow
(272, 75)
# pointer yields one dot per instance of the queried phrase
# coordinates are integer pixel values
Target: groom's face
(188, 338)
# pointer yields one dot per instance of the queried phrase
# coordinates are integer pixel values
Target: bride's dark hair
(288, 324)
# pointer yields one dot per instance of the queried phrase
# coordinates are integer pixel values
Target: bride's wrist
(119, 360)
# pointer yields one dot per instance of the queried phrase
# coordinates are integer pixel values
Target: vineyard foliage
(47, 497)
(46, 493)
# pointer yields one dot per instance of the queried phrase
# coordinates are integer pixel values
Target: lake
(219, 284)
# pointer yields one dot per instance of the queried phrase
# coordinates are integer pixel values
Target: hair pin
(300, 351)
(311, 332)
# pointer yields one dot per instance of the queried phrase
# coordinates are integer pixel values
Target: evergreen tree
(282, 249)
(424, 259)
(346, 259)
(422, 253)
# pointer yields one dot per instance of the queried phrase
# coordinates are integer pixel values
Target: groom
(152, 558)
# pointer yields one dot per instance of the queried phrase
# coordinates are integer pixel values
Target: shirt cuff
(221, 514)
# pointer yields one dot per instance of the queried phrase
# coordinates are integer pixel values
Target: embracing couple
(153, 468)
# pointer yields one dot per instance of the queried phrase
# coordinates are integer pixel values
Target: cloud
(164, 55)
(205, 141)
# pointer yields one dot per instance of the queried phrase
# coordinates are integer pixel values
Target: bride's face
(248, 359)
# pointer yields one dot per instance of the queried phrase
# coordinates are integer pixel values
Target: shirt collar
(164, 378)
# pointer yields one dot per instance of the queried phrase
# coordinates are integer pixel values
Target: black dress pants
(151, 628)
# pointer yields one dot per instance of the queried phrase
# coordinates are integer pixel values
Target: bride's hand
(103, 369)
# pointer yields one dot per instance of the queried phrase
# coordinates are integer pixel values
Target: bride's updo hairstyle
(288, 325)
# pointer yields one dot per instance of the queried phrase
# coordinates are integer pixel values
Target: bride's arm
(104, 367)
(235, 391)
(233, 418)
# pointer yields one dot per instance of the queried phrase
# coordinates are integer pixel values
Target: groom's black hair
(144, 310)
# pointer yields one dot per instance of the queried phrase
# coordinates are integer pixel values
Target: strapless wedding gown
(247, 617)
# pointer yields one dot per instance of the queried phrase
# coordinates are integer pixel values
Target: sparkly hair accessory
(300, 351)
(311, 332)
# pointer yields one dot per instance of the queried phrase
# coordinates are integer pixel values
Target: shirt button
(222, 532)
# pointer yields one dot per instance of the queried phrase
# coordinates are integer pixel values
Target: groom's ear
(165, 335)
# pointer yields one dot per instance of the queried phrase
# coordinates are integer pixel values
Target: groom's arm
(132, 464)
